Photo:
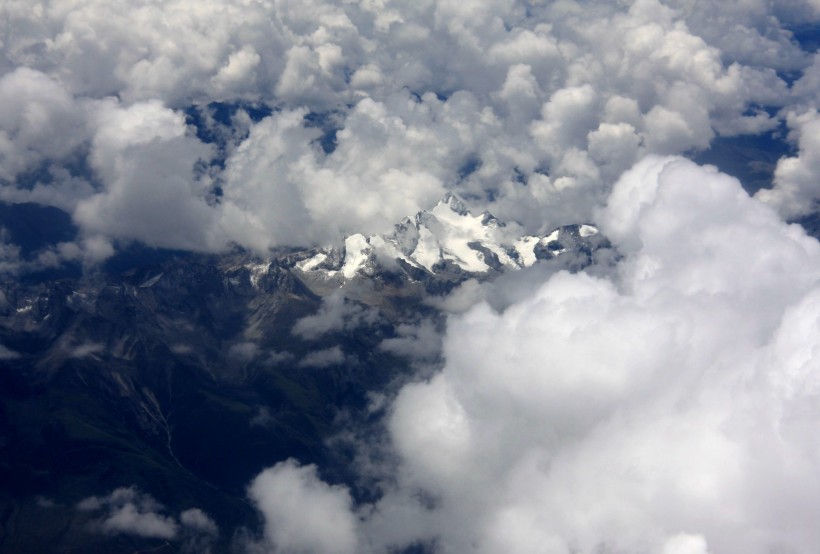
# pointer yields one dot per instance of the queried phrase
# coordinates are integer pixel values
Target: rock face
(185, 378)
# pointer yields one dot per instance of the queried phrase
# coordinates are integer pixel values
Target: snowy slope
(446, 238)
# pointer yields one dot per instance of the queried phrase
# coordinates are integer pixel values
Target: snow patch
(311, 263)
(525, 246)
(587, 231)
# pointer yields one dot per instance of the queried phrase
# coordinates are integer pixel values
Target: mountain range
(185, 377)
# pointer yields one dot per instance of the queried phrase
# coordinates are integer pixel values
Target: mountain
(185, 377)
(447, 243)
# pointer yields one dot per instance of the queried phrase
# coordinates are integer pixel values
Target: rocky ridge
(446, 243)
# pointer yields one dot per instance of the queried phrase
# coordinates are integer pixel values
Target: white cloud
(547, 102)
(667, 410)
(337, 313)
(129, 511)
(39, 121)
(302, 513)
(86, 349)
(198, 531)
(417, 342)
(797, 179)
(263, 204)
(806, 90)
(685, 544)
(277, 358)
(198, 520)
(586, 410)
(129, 519)
(324, 358)
(145, 157)
(243, 351)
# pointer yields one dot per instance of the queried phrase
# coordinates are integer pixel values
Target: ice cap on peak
(449, 235)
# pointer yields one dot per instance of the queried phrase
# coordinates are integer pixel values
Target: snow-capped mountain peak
(444, 239)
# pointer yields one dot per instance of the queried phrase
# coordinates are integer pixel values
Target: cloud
(324, 358)
(127, 510)
(199, 520)
(420, 342)
(302, 513)
(532, 109)
(128, 519)
(199, 531)
(86, 349)
(744, 32)
(39, 122)
(86, 250)
(276, 358)
(10, 261)
(665, 409)
(337, 313)
(243, 351)
(797, 179)
(145, 157)
(664, 406)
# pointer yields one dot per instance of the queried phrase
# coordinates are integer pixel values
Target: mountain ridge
(446, 239)
(186, 377)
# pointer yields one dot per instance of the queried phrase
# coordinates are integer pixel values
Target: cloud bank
(669, 408)
(345, 117)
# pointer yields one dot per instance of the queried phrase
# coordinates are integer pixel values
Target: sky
(665, 403)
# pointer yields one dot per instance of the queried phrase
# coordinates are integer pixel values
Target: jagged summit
(452, 201)
(444, 240)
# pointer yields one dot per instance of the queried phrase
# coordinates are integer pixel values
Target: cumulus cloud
(532, 109)
(146, 159)
(325, 358)
(417, 342)
(243, 351)
(126, 510)
(337, 313)
(39, 121)
(744, 31)
(797, 179)
(640, 413)
(276, 358)
(86, 349)
(129, 511)
(198, 520)
(87, 250)
(198, 530)
(665, 406)
(302, 513)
